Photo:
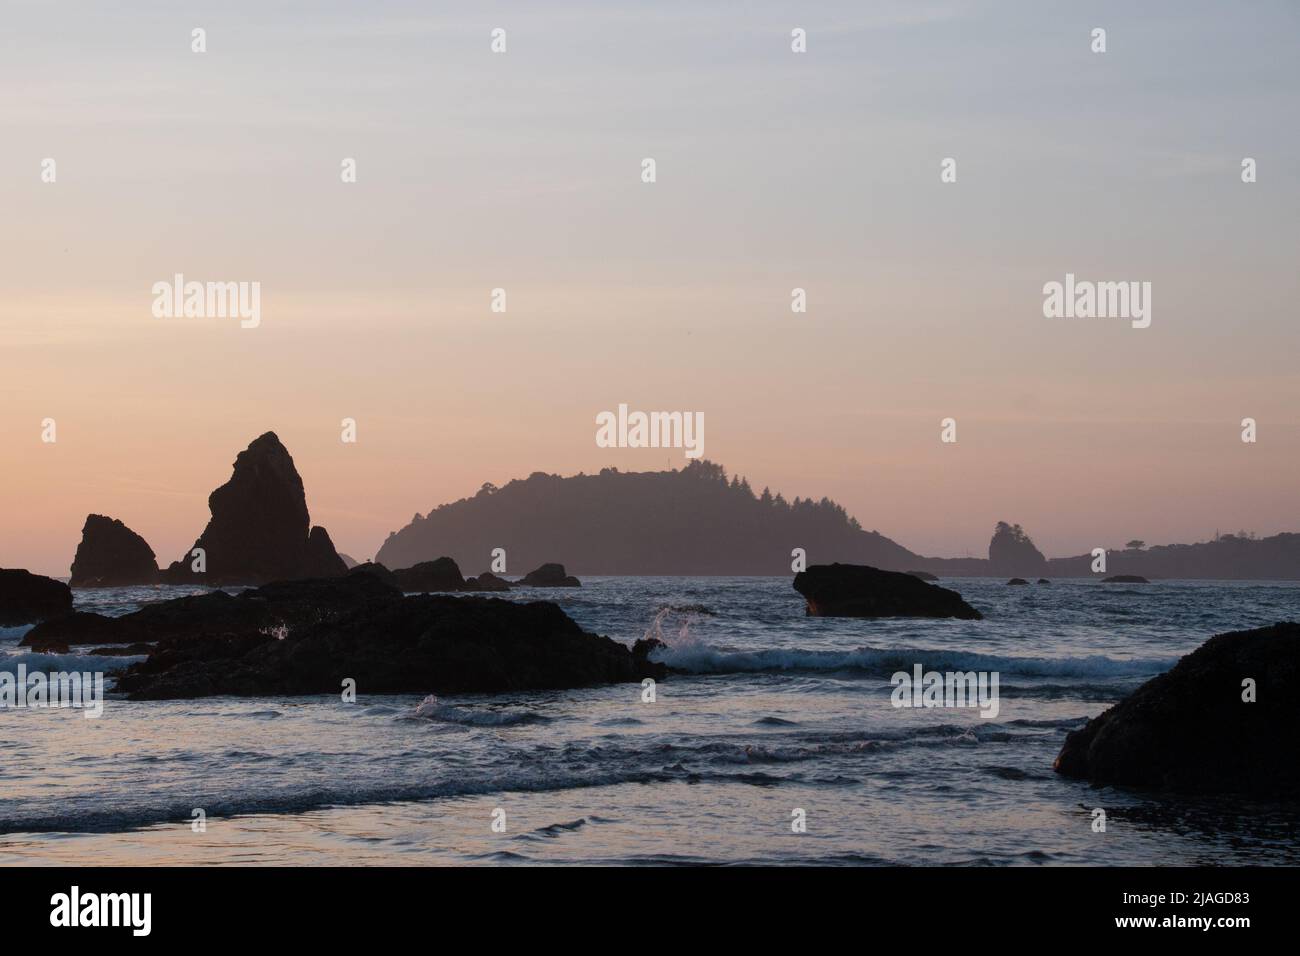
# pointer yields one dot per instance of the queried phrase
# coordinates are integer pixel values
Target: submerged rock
(260, 530)
(1044, 581)
(1017, 581)
(1125, 579)
(549, 576)
(27, 597)
(851, 590)
(1190, 729)
(388, 643)
(111, 555)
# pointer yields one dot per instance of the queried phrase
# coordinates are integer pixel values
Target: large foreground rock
(111, 555)
(852, 590)
(1189, 729)
(386, 642)
(260, 530)
(27, 597)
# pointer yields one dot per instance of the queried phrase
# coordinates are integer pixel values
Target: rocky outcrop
(271, 608)
(377, 570)
(1044, 581)
(111, 555)
(549, 576)
(1125, 579)
(307, 637)
(1017, 581)
(1192, 730)
(27, 597)
(260, 530)
(487, 581)
(1012, 552)
(924, 575)
(850, 590)
(441, 574)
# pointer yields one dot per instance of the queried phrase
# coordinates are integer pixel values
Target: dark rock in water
(1044, 581)
(487, 581)
(111, 555)
(850, 590)
(260, 530)
(270, 608)
(1189, 730)
(441, 574)
(377, 570)
(27, 597)
(549, 576)
(387, 643)
(1017, 581)
(1125, 579)
(924, 575)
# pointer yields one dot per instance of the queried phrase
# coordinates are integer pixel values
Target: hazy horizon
(775, 170)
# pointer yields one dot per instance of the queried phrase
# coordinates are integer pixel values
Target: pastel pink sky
(775, 170)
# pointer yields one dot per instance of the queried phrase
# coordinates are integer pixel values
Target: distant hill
(697, 521)
(1228, 557)
(689, 521)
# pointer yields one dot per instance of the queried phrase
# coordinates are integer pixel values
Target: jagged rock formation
(260, 529)
(846, 590)
(111, 555)
(1192, 730)
(27, 597)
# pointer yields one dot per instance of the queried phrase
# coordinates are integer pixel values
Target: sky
(775, 170)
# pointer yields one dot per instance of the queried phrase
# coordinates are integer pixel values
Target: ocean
(781, 718)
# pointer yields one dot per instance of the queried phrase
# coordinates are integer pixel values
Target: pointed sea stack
(111, 555)
(260, 529)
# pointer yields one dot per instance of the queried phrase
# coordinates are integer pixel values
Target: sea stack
(851, 590)
(260, 530)
(111, 555)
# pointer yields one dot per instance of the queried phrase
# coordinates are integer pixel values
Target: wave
(696, 657)
(431, 708)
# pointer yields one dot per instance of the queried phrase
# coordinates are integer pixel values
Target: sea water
(778, 717)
